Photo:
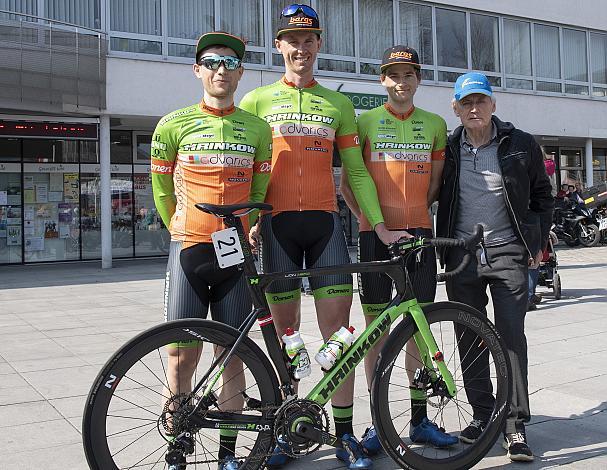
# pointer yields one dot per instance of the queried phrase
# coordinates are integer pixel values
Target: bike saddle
(229, 209)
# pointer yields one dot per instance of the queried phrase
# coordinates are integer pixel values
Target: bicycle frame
(402, 304)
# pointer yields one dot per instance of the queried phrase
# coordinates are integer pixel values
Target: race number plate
(603, 224)
(227, 247)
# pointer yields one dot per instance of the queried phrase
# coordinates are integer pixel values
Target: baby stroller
(548, 275)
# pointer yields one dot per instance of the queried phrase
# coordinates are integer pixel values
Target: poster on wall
(28, 182)
(13, 195)
(55, 182)
(41, 193)
(3, 198)
(64, 231)
(29, 196)
(34, 244)
(13, 216)
(71, 187)
(65, 213)
(55, 196)
(13, 235)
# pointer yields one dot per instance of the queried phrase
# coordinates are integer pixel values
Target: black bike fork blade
(318, 435)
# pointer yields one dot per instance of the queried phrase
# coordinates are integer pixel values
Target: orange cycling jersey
(398, 150)
(306, 123)
(202, 154)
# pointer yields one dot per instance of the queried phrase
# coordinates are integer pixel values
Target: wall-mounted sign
(58, 130)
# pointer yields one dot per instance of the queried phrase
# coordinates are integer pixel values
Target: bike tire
(135, 371)
(391, 384)
(593, 239)
(556, 286)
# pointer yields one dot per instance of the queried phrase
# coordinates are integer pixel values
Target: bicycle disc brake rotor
(287, 418)
(174, 415)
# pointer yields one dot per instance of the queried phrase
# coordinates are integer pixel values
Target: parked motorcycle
(575, 224)
(600, 215)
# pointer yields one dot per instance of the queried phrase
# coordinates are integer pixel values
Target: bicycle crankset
(288, 421)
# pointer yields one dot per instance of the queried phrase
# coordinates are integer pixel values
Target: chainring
(286, 419)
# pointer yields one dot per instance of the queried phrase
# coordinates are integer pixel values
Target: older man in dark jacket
(494, 175)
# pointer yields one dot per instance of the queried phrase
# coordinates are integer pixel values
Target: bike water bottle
(333, 349)
(297, 353)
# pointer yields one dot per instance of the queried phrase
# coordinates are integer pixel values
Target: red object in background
(550, 167)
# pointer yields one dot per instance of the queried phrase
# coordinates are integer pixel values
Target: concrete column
(589, 175)
(106, 192)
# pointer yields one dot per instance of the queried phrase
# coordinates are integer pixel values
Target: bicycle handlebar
(470, 243)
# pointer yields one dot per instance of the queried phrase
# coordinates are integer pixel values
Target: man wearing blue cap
(494, 175)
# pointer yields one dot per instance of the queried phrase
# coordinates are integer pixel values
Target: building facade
(83, 83)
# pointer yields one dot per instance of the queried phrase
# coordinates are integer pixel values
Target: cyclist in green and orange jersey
(307, 120)
(216, 153)
(404, 150)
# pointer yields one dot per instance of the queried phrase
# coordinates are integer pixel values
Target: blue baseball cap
(472, 82)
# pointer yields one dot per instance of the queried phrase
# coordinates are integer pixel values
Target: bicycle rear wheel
(126, 424)
(466, 339)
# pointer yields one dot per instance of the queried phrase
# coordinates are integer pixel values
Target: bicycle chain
(262, 409)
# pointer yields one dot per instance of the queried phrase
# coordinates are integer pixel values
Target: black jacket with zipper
(527, 189)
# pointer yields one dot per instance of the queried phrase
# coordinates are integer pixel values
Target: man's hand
(254, 237)
(390, 236)
(534, 263)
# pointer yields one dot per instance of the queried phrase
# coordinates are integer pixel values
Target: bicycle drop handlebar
(470, 244)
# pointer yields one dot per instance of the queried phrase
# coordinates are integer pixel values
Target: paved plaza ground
(60, 323)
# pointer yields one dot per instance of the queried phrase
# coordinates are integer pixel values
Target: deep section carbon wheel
(140, 411)
(475, 356)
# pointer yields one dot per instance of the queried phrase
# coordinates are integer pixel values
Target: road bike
(134, 420)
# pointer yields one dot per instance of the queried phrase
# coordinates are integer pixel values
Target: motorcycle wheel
(593, 236)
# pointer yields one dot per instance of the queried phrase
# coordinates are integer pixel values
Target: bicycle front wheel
(137, 407)
(476, 358)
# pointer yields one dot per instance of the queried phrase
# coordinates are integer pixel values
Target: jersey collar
(292, 85)
(216, 111)
(401, 116)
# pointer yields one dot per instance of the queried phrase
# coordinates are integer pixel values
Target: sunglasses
(213, 61)
(293, 9)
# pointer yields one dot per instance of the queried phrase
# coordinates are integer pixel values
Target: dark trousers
(506, 276)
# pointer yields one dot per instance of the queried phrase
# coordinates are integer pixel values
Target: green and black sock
(418, 405)
(227, 443)
(342, 415)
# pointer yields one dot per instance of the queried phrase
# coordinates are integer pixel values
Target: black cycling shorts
(375, 289)
(316, 237)
(194, 281)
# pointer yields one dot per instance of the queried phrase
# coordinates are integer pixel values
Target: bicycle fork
(428, 349)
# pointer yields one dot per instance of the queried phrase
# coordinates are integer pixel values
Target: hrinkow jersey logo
(197, 146)
(299, 117)
(403, 145)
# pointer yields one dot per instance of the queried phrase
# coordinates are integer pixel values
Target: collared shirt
(481, 192)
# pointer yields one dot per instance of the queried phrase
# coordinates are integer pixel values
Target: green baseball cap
(218, 38)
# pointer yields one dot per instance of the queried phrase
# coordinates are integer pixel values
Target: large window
(338, 35)
(484, 40)
(574, 60)
(517, 54)
(376, 32)
(547, 58)
(451, 38)
(140, 17)
(82, 12)
(598, 47)
(416, 30)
